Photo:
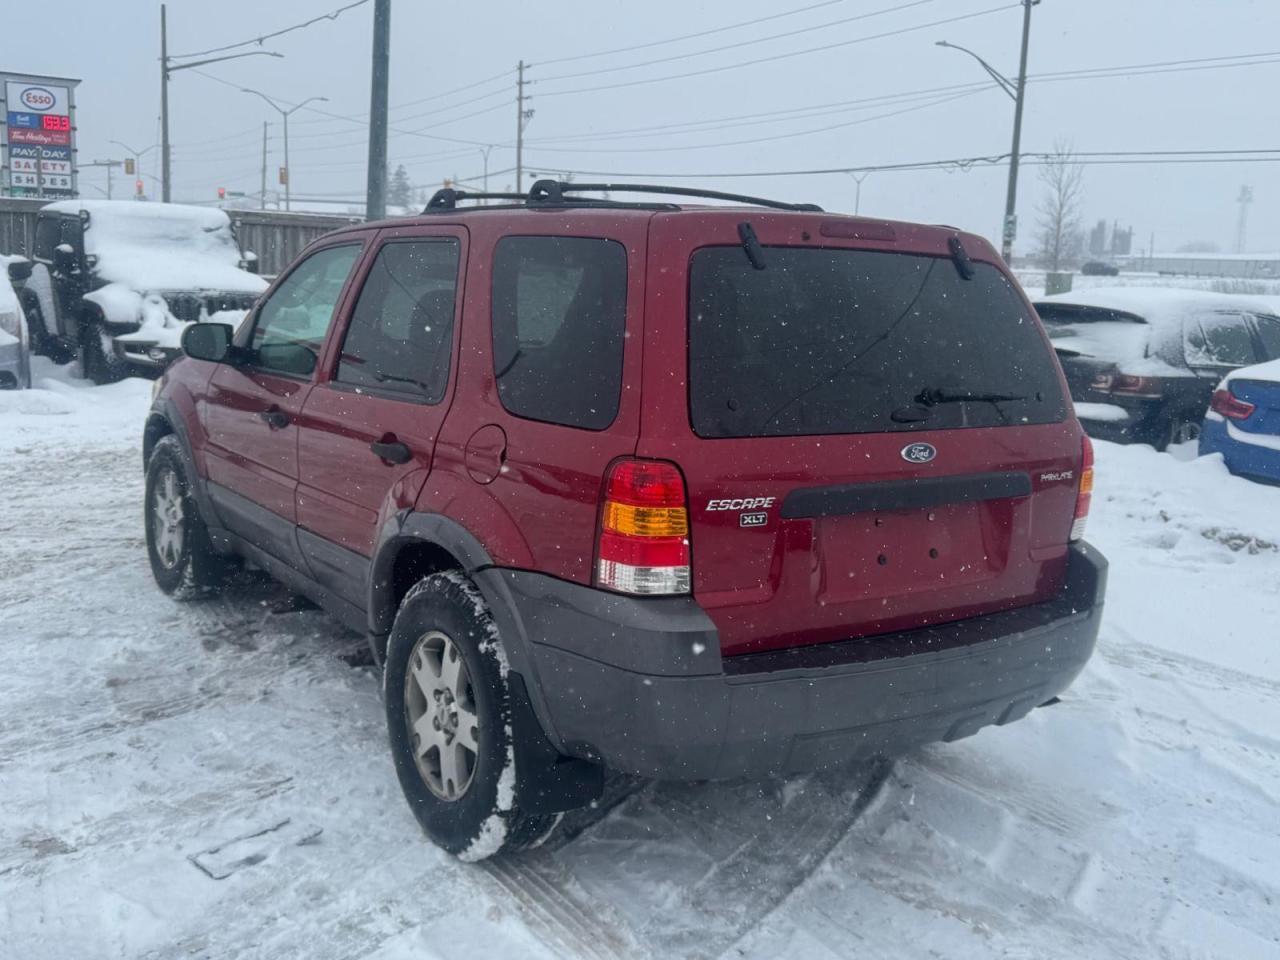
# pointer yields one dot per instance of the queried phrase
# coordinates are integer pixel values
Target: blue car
(1243, 422)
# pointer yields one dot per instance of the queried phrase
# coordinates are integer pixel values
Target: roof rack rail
(547, 194)
(447, 198)
(551, 193)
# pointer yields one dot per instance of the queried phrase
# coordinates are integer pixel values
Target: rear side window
(852, 341)
(559, 316)
(1219, 339)
(401, 332)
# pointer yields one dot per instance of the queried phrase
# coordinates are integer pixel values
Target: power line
(783, 56)
(1123, 70)
(1080, 158)
(269, 36)
(932, 102)
(741, 43)
(687, 36)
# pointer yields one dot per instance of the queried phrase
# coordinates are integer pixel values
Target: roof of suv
(548, 196)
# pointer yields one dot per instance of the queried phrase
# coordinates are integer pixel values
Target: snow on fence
(276, 237)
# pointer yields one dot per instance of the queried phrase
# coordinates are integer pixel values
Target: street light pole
(164, 107)
(137, 157)
(167, 68)
(1016, 92)
(288, 173)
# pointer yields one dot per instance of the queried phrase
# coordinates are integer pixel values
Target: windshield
(839, 341)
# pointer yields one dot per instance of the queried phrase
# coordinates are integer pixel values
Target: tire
(183, 561)
(443, 633)
(1181, 429)
(98, 357)
(43, 343)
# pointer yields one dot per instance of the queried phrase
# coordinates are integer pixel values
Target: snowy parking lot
(213, 780)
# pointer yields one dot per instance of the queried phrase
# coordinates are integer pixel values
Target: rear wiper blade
(751, 244)
(929, 397)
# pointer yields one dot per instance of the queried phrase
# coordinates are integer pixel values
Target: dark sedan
(1142, 363)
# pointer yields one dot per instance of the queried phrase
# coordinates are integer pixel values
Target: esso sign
(37, 98)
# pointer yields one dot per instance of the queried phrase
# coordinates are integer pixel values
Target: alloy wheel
(440, 711)
(168, 519)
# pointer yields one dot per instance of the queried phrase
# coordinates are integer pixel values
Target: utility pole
(262, 205)
(1244, 198)
(1011, 199)
(376, 194)
(167, 68)
(521, 117)
(1017, 93)
(108, 164)
(164, 107)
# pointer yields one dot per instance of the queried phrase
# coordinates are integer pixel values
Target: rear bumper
(1242, 458)
(639, 685)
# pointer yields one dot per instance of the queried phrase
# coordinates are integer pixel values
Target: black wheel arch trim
(547, 779)
(163, 411)
(408, 527)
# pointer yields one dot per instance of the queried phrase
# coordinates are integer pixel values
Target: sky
(731, 117)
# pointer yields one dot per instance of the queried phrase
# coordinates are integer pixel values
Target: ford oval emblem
(919, 452)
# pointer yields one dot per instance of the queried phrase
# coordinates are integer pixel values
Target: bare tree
(1061, 239)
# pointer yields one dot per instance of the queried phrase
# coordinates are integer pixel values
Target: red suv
(690, 492)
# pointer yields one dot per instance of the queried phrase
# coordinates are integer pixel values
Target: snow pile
(8, 298)
(158, 247)
(1137, 818)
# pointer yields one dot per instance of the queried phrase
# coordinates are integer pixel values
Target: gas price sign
(37, 149)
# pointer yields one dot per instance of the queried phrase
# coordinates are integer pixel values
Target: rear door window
(400, 336)
(852, 341)
(559, 316)
(1219, 340)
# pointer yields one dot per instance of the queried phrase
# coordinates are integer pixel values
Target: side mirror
(250, 262)
(20, 270)
(207, 341)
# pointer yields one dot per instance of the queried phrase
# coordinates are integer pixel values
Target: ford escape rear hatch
(876, 442)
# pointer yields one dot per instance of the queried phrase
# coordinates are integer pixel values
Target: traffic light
(137, 186)
(128, 167)
(284, 176)
(222, 193)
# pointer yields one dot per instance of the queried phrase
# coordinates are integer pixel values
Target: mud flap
(546, 780)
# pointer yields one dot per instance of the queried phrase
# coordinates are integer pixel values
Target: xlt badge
(753, 519)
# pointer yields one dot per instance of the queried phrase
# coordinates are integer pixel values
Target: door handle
(275, 418)
(392, 450)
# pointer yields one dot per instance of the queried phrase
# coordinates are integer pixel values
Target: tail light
(1127, 383)
(1085, 493)
(644, 530)
(1230, 406)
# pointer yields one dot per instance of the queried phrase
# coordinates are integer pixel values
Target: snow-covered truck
(114, 283)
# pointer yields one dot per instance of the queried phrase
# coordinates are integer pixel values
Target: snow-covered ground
(212, 780)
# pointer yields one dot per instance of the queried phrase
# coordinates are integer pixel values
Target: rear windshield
(854, 341)
(1094, 332)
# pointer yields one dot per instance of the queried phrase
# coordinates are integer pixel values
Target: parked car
(1100, 268)
(1243, 422)
(15, 354)
(687, 492)
(115, 282)
(1142, 363)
